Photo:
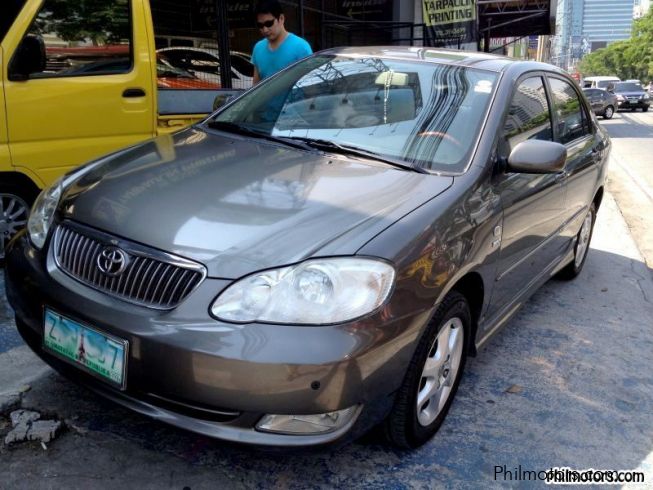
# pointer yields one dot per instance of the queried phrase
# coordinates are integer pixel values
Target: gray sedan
(321, 255)
(603, 103)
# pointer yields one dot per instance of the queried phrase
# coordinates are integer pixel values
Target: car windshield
(628, 87)
(425, 114)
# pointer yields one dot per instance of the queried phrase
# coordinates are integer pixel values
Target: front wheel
(645, 108)
(15, 203)
(609, 112)
(433, 375)
(581, 247)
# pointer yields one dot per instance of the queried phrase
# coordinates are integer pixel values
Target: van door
(94, 92)
(5, 158)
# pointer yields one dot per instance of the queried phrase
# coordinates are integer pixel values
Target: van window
(9, 10)
(84, 38)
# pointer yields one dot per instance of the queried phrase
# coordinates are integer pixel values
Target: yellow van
(78, 80)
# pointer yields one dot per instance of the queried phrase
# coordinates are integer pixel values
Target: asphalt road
(567, 383)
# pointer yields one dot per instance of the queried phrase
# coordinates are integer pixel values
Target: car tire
(581, 246)
(608, 112)
(645, 109)
(433, 375)
(15, 205)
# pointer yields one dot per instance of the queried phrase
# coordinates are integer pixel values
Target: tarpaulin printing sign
(450, 22)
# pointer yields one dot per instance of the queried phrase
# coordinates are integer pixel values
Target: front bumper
(218, 379)
(628, 104)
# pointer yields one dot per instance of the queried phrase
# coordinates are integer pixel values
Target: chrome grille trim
(152, 278)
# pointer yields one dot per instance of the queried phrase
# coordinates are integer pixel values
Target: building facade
(583, 26)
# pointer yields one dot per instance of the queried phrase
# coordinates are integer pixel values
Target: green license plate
(97, 353)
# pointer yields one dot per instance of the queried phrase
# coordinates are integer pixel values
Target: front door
(533, 204)
(95, 93)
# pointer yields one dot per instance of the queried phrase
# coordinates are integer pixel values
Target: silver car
(321, 255)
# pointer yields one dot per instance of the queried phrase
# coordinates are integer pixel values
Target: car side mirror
(537, 157)
(29, 58)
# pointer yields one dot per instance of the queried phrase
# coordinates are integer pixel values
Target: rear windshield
(9, 9)
(628, 87)
(426, 114)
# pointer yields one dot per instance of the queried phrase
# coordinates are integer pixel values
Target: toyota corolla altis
(321, 255)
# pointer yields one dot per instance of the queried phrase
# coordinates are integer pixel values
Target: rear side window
(529, 116)
(571, 118)
(84, 37)
(9, 10)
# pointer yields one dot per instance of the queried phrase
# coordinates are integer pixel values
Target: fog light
(320, 423)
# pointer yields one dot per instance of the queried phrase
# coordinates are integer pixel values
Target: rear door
(594, 97)
(533, 205)
(95, 93)
(574, 129)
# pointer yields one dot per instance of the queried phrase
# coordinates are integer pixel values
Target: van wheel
(608, 112)
(15, 204)
(645, 108)
(433, 375)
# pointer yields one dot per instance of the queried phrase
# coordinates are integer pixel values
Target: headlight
(645, 97)
(43, 210)
(318, 291)
(620, 98)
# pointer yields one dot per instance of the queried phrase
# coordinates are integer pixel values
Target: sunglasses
(267, 23)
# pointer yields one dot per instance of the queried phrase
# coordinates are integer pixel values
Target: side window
(81, 37)
(571, 119)
(528, 116)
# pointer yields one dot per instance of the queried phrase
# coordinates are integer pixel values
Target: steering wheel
(444, 136)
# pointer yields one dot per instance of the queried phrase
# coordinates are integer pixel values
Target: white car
(204, 63)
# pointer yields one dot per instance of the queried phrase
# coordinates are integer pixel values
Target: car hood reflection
(239, 205)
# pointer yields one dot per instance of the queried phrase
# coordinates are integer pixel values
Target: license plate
(97, 353)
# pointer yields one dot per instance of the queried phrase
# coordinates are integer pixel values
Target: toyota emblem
(112, 261)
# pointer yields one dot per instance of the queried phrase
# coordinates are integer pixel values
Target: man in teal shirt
(280, 48)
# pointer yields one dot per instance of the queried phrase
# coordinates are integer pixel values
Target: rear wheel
(15, 203)
(581, 246)
(608, 112)
(645, 108)
(433, 375)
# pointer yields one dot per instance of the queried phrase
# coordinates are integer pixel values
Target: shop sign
(450, 21)
(378, 10)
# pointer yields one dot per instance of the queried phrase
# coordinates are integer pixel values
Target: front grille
(151, 278)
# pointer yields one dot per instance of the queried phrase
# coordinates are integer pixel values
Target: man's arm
(257, 77)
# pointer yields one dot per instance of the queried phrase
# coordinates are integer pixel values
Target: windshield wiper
(355, 151)
(231, 127)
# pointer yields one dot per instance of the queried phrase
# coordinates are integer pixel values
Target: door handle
(133, 92)
(561, 176)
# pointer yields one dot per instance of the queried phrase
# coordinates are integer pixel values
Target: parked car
(320, 255)
(632, 96)
(204, 63)
(603, 103)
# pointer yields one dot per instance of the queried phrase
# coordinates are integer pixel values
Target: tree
(101, 21)
(632, 58)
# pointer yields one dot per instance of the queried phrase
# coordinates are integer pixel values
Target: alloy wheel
(609, 112)
(583, 239)
(13, 217)
(440, 371)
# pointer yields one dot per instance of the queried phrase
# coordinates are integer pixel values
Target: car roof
(484, 61)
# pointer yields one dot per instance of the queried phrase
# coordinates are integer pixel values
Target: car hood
(631, 94)
(239, 205)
